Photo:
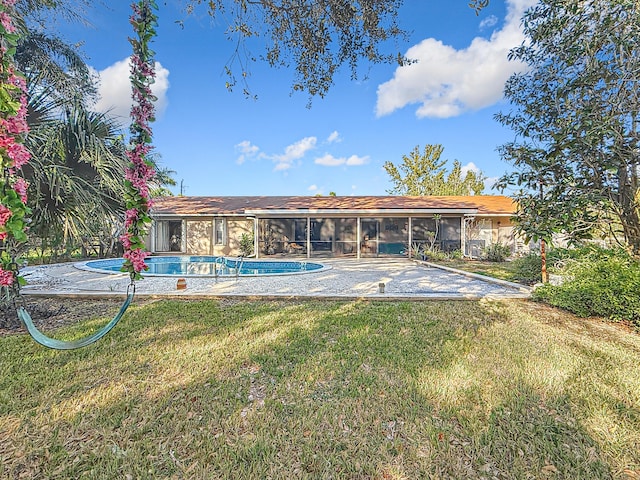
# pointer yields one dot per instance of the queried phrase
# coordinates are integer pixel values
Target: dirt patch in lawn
(55, 312)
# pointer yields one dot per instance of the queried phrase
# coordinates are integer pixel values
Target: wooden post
(543, 256)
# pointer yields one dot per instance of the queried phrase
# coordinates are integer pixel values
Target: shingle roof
(185, 206)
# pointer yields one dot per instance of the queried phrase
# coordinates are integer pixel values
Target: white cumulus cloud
(114, 89)
(294, 152)
(334, 137)
(246, 151)
(446, 82)
(489, 22)
(469, 167)
(329, 160)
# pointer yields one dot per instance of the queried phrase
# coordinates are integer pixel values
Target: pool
(207, 266)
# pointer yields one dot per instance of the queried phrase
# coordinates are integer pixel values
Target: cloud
(334, 137)
(114, 89)
(446, 82)
(469, 167)
(329, 160)
(246, 150)
(293, 152)
(312, 188)
(489, 22)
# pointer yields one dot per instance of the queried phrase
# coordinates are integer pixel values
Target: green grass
(500, 270)
(344, 390)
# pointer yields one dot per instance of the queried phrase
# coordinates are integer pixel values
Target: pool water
(207, 266)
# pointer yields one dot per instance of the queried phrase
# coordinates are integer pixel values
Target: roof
(243, 205)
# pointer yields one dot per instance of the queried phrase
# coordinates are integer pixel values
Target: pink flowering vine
(140, 170)
(13, 154)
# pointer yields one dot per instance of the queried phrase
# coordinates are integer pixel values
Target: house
(358, 226)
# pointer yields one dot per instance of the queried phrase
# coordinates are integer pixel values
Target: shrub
(603, 283)
(528, 269)
(497, 252)
(246, 244)
(454, 254)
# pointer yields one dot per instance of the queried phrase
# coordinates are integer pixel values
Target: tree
(75, 173)
(575, 114)
(315, 37)
(426, 175)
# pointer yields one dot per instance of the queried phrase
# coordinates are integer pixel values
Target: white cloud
(312, 188)
(114, 89)
(489, 22)
(334, 137)
(356, 160)
(246, 150)
(294, 152)
(446, 82)
(329, 160)
(469, 167)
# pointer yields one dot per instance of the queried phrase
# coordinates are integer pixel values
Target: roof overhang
(357, 212)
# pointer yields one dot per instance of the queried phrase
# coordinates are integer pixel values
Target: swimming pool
(207, 266)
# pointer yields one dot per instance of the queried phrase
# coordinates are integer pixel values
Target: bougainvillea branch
(140, 170)
(13, 153)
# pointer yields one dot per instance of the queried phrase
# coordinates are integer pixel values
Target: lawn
(343, 390)
(500, 270)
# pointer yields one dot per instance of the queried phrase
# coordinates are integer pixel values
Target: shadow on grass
(198, 389)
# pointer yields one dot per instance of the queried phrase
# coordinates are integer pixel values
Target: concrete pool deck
(345, 279)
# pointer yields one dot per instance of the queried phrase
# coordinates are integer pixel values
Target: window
(169, 236)
(220, 232)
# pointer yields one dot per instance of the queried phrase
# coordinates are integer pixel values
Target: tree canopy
(314, 37)
(426, 174)
(575, 114)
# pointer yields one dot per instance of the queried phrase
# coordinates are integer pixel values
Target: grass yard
(342, 390)
(500, 270)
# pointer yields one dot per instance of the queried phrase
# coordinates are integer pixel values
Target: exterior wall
(366, 235)
(235, 228)
(483, 231)
(199, 234)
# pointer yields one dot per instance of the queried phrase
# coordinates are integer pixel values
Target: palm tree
(75, 176)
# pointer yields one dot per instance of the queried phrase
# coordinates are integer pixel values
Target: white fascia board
(338, 213)
(161, 216)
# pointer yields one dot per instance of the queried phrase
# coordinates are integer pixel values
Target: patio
(347, 278)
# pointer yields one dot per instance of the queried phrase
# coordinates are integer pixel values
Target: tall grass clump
(600, 283)
(497, 252)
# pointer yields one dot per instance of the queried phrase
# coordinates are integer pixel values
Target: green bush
(497, 252)
(528, 269)
(454, 254)
(246, 244)
(603, 283)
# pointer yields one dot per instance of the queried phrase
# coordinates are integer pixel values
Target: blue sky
(221, 143)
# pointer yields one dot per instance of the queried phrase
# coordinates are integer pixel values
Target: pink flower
(19, 154)
(21, 189)
(126, 241)
(136, 257)
(6, 277)
(5, 19)
(5, 214)
(130, 217)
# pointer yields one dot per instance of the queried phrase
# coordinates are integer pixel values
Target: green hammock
(49, 342)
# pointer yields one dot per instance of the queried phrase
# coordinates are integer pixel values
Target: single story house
(358, 226)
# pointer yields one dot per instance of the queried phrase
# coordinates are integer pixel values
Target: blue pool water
(207, 266)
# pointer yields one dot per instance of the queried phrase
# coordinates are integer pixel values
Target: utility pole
(183, 187)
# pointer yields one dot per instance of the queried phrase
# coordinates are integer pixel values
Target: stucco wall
(236, 226)
(199, 235)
